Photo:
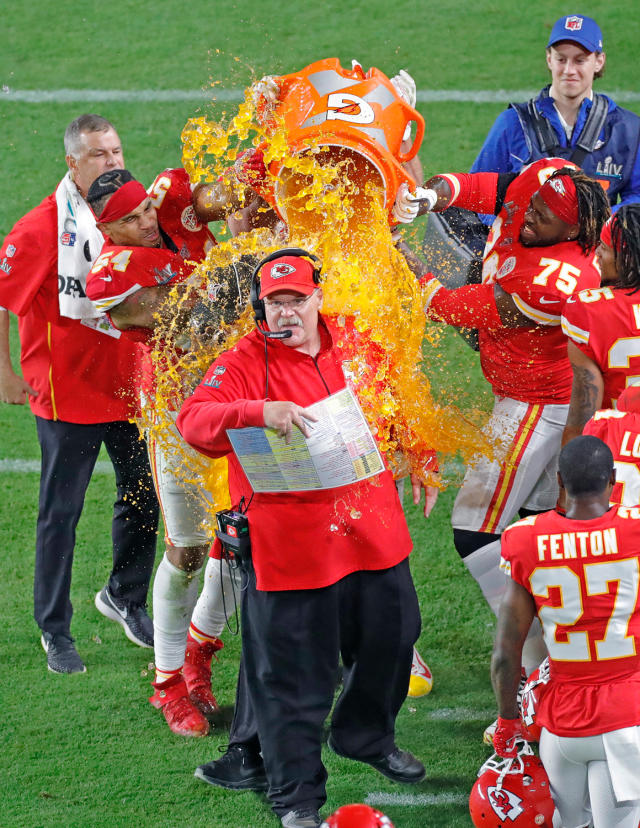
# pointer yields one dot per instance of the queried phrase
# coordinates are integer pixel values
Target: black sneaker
(240, 769)
(62, 656)
(399, 765)
(301, 818)
(138, 627)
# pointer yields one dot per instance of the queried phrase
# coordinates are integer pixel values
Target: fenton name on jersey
(568, 545)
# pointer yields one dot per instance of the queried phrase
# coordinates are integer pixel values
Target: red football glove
(504, 739)
(249, 167)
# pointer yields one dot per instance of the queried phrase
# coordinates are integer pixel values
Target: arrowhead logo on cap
(280, 270)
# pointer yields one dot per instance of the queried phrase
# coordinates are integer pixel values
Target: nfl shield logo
(573, 24)
(68, 239)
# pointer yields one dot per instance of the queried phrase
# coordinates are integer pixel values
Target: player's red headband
(559, 194)
(123, 201)
(605, 233)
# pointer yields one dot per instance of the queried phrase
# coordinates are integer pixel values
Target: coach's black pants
(291, 641)
(69, 453)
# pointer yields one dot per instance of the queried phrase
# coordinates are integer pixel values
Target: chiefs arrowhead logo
(504, 803)
(280, 270)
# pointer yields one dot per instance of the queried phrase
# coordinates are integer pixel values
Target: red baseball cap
(287, 273)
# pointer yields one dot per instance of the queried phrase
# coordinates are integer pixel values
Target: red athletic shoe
(172, 697)
(197, 674)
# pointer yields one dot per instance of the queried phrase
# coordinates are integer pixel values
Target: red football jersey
(584, 576)
(82, 375)
(605, 325)
(171, 195)
(120, 271)
(528, 364)
(299, 539)
(620, 430)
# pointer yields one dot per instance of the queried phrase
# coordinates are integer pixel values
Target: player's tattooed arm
(586, 392)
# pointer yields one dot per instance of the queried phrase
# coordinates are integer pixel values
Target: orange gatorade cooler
(358, 114)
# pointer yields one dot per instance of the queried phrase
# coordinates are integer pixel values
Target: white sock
(218, 600)
(174, 595)
(484, 566)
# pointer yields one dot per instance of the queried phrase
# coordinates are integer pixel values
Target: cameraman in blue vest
(569, 120)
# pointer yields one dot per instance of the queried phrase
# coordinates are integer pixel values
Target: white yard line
(460, 714)
(378, 799)
(236, 94)
(20, 466)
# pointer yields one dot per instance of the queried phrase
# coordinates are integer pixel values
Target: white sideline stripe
(236, 94)
(460, 714)
(412, 800)
(33, 466)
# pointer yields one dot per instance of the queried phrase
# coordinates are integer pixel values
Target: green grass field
(89, 750)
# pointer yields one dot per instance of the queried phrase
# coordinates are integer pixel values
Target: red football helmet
(531, 695)
(357, 816)
(512, 792)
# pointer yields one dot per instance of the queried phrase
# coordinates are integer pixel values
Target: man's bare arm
(586, 392)
(148, 307)
(13, 388)
(517, 611)
(215, 201)
(256, 213)
(510, 315)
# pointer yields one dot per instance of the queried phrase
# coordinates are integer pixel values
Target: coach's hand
(13, 389)
(430, 494)
(282, 416)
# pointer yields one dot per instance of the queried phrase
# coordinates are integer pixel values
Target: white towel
(79, 242)
(622, 748)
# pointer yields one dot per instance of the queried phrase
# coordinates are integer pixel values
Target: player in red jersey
(139, 265)
(182, 213)
(539, 251)
(603, 325)
(619, 428)
(580, 574)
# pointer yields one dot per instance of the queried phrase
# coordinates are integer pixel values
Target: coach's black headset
(257, 303)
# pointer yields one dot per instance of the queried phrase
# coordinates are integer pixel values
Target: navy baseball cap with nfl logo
(578, 29)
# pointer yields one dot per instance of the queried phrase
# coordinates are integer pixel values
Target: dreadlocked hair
(593, 207)
(625, 237)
